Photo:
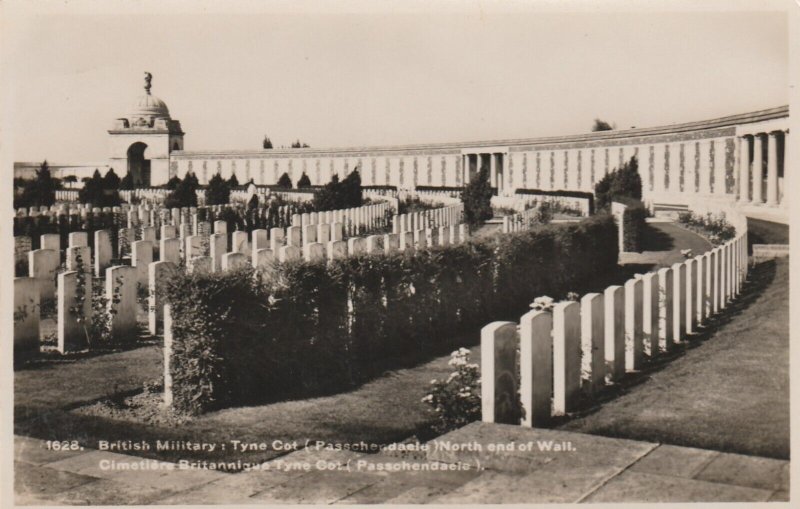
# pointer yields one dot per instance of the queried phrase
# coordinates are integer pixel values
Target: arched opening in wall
(138, 166)
(175, 146)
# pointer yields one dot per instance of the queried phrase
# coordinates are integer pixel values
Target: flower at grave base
(427, 399)
(457, 361)
(434, 381)
(543, 303)
(452, 376)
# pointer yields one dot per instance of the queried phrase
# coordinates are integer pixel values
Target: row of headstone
(583, 346)
(74, 305)
(519, 222)
(264, 250)
(355, 220)
(314, 242)
(444, 216)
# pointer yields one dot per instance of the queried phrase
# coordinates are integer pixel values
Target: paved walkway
(535, 466)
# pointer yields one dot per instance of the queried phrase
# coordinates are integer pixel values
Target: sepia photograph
(389, 253)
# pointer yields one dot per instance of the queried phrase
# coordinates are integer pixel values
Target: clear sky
(455, 71)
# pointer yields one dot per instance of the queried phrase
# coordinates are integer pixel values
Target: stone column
(744, 169)
(772, 169)
(758, 169)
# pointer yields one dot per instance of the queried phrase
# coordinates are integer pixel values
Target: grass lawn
(730, 392)
(767, 232)
(662, 245)
(384, 410)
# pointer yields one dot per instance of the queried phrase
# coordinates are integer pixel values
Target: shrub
(457, 400)
(623, 182)
(185, 194)
(414, 204)
(285, 181)
(172, 183)
(100, 191)
(544, 213)
(633, 224)
(304, 181)
(219, 191)
(339, 195)
(40, 191)
(716, 228)
(126, 184)
(252, 204)
(233, 181)
(303, 328)
(477, 199)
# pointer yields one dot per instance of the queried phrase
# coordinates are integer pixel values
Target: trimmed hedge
(248, 337)
(633, 224)
(559, 192)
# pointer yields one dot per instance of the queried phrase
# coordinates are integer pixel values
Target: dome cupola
(148, 107)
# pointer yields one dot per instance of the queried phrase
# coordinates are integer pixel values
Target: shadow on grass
(765, 232)
(29, 360)
(653, 239)
(759, 278)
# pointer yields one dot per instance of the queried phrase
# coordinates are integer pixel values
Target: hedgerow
(634, 224)
(296, 329)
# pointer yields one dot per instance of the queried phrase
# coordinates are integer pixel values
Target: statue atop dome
(147, 79)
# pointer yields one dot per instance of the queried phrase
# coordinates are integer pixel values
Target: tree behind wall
(304, 181)
(219, 191)
(184, 195)
(477, 199)
(126, 184)
(601, 125)
(267, 143)
(41, 191)
(100, 191)
(623, 182)
(285, 181)
(339, 195)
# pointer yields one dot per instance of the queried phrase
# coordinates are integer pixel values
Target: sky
(357, 77)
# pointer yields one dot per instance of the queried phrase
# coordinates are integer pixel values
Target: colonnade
(473, 160)
(762, 154)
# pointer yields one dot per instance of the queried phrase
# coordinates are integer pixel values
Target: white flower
(434, 381)
(458, 361)
(427, 399)
(543, 303)
(452, 376)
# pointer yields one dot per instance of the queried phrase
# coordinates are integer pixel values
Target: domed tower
(142, 140)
